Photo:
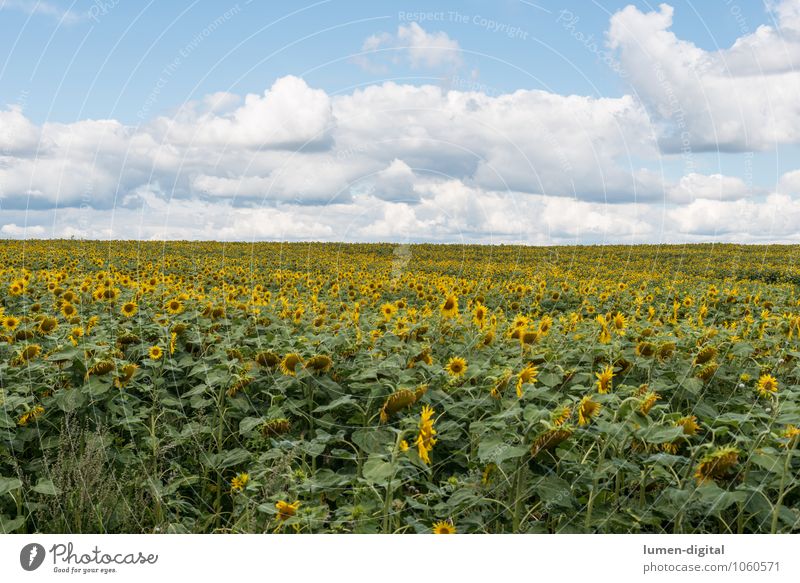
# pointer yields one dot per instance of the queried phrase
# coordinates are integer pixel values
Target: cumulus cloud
(736, 99)
(412, 45)
(713, 186)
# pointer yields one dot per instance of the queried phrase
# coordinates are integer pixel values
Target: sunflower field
(379, 388)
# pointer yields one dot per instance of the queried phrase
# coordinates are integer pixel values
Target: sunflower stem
(782, 489)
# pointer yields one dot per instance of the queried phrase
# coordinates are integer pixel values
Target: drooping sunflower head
(267, 359)
(321, 363)
(645, 349)
(717, 463)
(705, 355)
(397, 401)
(290, 362)
(587, 409)
(707, 372)
(30, 352)
(47, 325)
(276, 427)
(689, 424)
(605, 379)
(560, 415)
(665, 350)
(101, 368)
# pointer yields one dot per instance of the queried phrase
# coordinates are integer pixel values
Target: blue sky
(95, 88)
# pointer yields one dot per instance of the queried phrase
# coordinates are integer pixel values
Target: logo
(31, 556)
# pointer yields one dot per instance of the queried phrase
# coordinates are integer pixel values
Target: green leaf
(46, 487)
(376, 470)
(338, 403)
(248, 424)
(770, 462)
(8, 484)
(9, 525)
(659, 434)
(374, 440)
(692, 385)
(69, 400)
(496, 450)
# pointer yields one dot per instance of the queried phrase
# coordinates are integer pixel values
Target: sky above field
(466, 122)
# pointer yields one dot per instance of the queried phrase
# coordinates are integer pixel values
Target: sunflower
(456, 366)
(449, 307)
(286, 510)
(561, 416)
(276, 427)
(586, 410)
(397, 401)
(705, 355)
(267, 359)
(129, 309)
(479, 315)
(604, 336)
(68, 310)
(425, 439)
(155, 353)
(605, 379)
(717, 463)
(649, 399)
(30, 352)
(239, 482)
(550, 439)
(29, 416)
(101, 368)
(767, 385)
(290, 362)
(175, 306)
(689, 424)
(444, 527)
(10, 323)
(47, 325)
(321, 363)
(388, 310)
(527, 375)
(620, 322)
(645, 349)
(707, 372)
(127, 372)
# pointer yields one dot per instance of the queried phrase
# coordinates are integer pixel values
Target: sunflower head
(444, 527)
(767, 385)
(456, 366)
(155, 352)
(717, 463)
(286, 510)
(290, 362)
(321, 363)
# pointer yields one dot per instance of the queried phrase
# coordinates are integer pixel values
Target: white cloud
(713, 186)
(289, 115)
(44, 8)
(736, 99)
(411, 45)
